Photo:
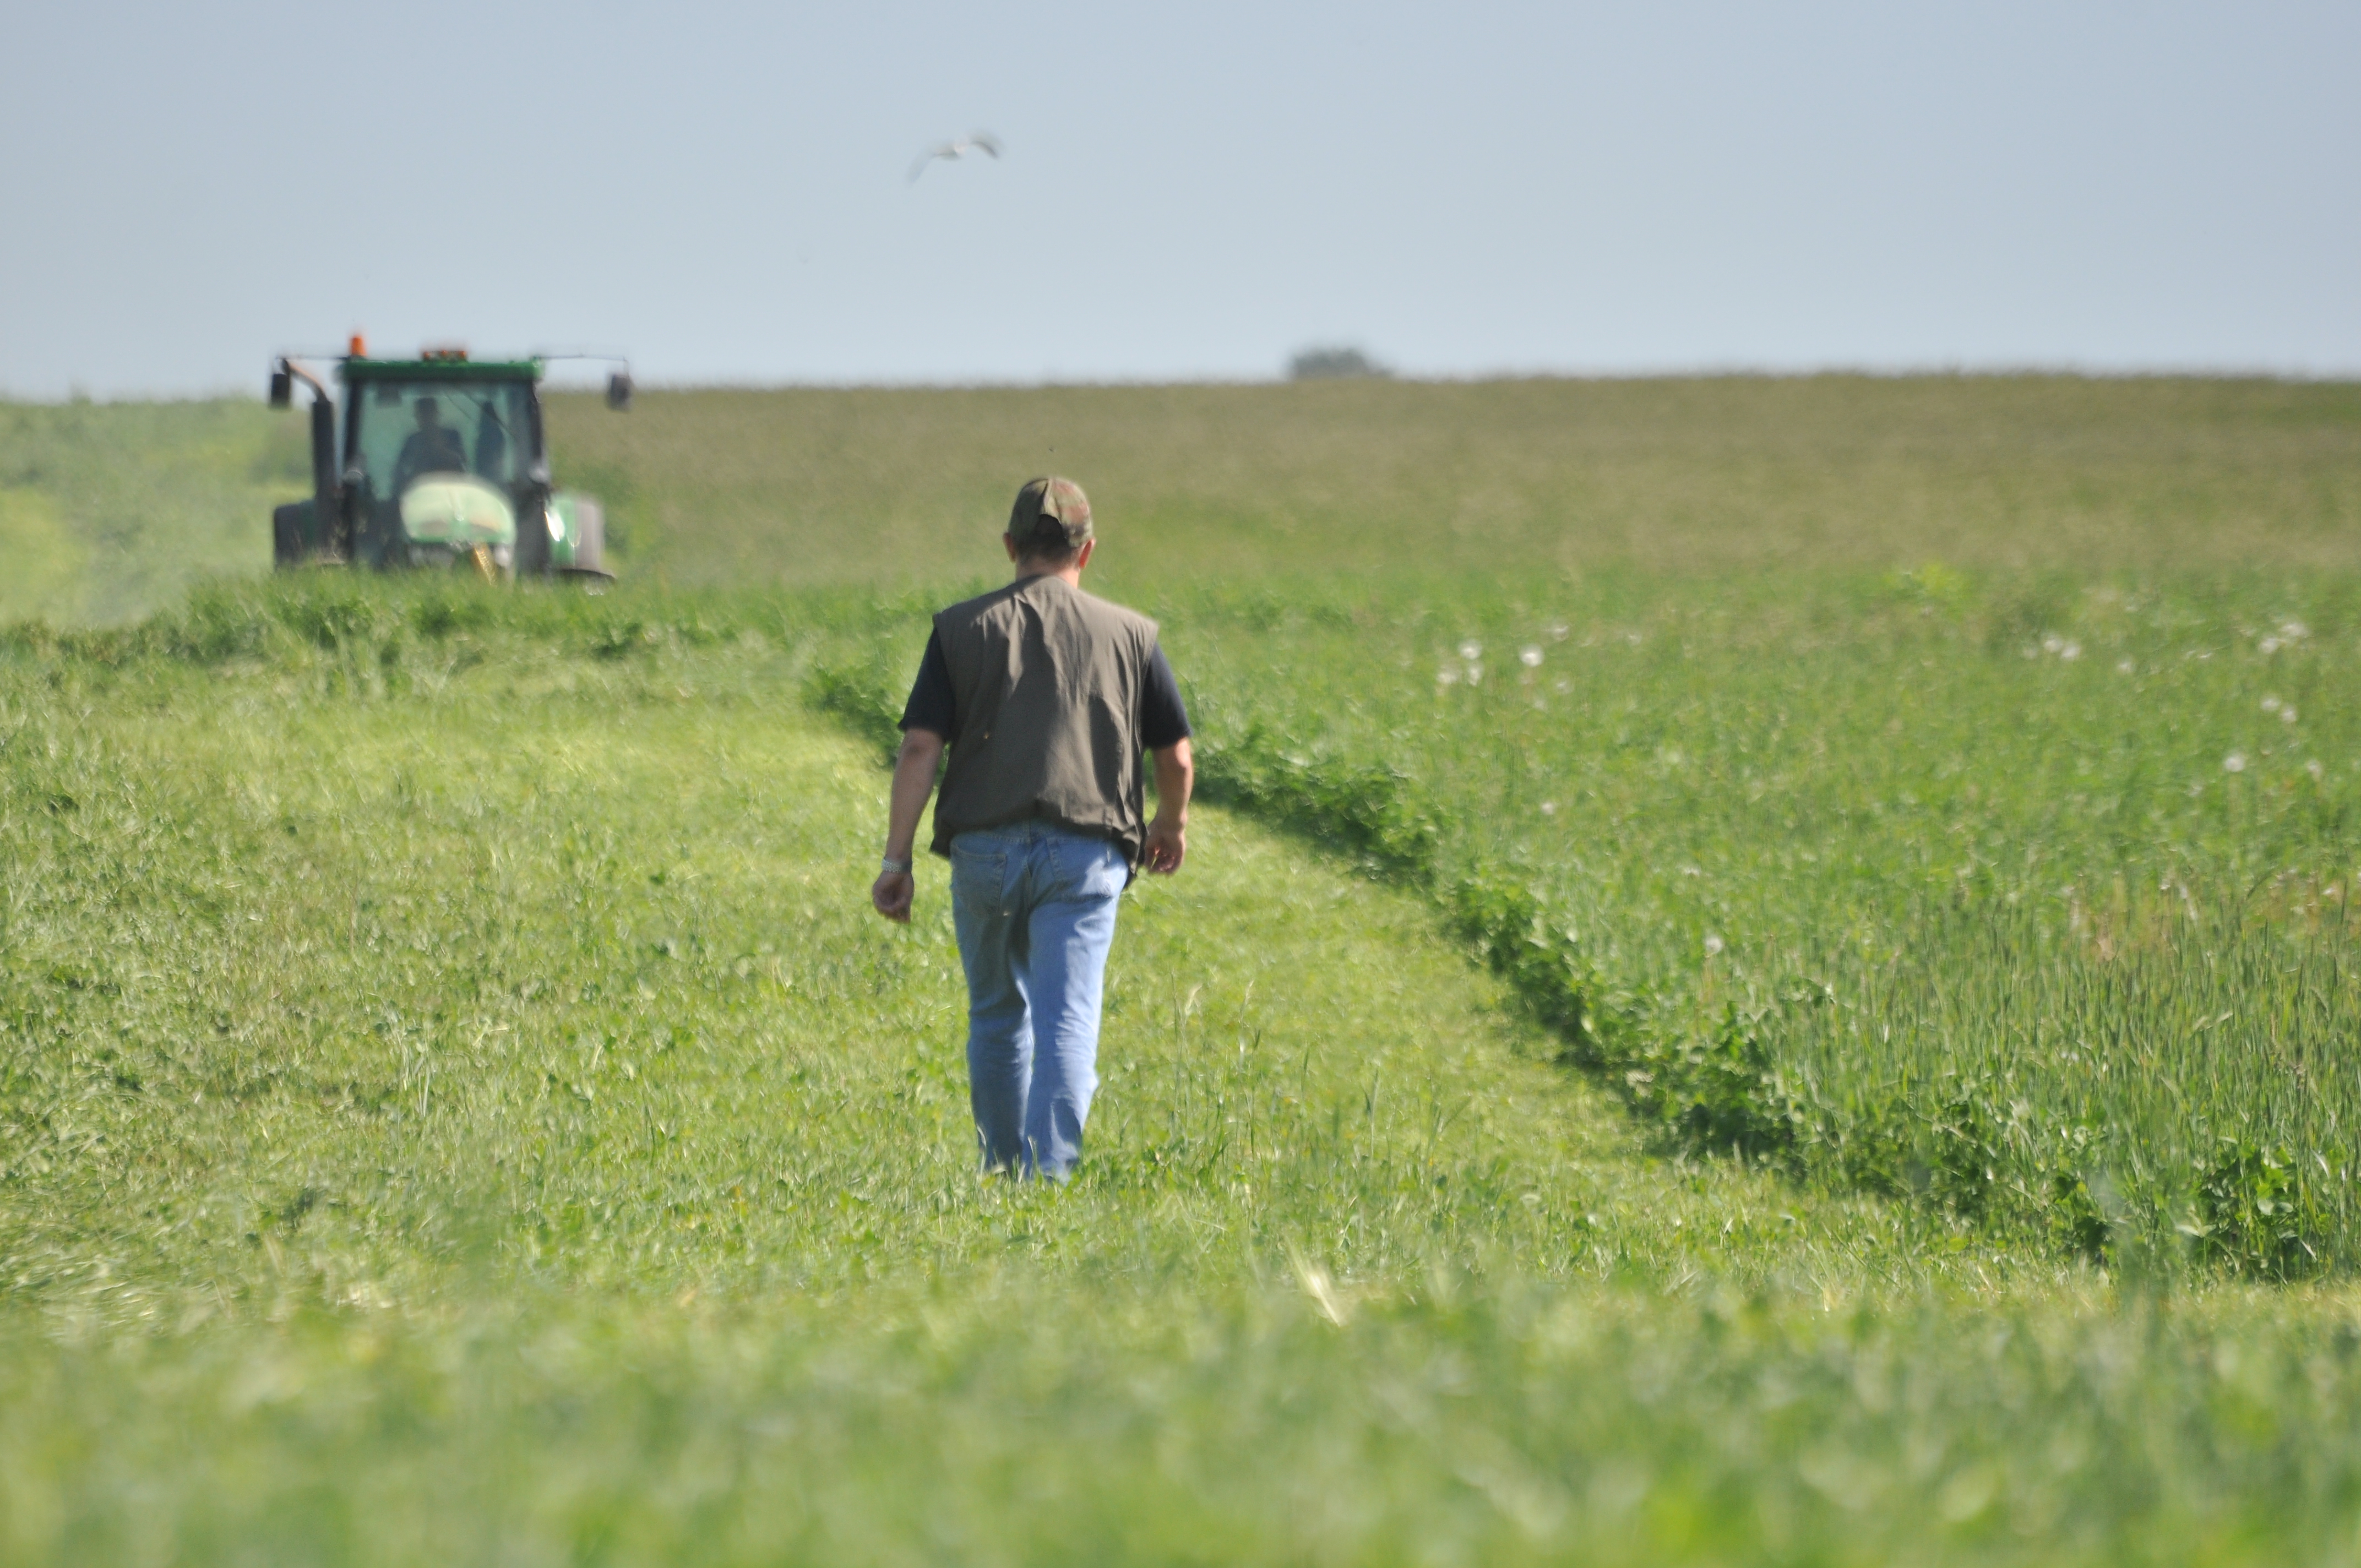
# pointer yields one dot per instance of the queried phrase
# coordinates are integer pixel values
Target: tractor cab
(441, 462)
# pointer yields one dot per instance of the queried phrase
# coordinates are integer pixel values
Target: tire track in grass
(1723, 1091)
(1378, 818)
(1725, 1096)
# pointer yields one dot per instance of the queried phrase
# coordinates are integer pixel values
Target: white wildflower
(2070, 649)
(2270, 705)
(1560, 630)
(2268, 645)
(2294, 630)
(1530, 658)
(1447, 676)
(2315, 770)
(1471, 649)
(2287, 713)
(2053, 643)
(2126, 667)
(2235, 763)
(1549, 808)
(1712, 944)
(1563, 687)
(1475, 675)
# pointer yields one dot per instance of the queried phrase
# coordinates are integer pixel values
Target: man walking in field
(1047, 697)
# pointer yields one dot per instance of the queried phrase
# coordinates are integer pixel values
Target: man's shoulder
(1109, 613)
(967, 611)
(1103, 614)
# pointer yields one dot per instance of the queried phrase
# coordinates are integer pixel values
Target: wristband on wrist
(899, 868)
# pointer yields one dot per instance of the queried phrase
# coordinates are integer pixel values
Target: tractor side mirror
(282, 388)
(619, 391)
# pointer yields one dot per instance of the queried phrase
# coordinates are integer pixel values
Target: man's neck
(1070, 574)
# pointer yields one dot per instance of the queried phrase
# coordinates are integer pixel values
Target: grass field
(2032, 908)
(1718, 476)
(1766, 982)
(109, 513)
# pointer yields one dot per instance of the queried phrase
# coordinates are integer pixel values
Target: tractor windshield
(408, 429)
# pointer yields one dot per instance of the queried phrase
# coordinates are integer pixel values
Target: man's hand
(1167, 847)
(913, 780)
(1167, 835)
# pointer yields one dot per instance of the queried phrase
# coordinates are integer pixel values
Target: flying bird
(952, 152)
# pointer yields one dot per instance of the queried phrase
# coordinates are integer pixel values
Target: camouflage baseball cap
(1050, 514)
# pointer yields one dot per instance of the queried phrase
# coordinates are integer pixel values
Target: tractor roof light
(452, 355)
(359, 347)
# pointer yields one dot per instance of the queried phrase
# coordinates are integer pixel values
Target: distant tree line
(1332, 363)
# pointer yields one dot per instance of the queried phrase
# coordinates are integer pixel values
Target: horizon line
(1734, 371)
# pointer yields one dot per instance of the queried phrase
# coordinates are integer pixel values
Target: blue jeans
(1034, 906)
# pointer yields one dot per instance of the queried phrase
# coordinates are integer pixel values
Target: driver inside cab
(432, 448)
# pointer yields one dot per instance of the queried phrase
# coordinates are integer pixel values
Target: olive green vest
(1048, 682)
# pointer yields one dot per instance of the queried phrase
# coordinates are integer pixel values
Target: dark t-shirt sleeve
(932, 704)
(1163, 717)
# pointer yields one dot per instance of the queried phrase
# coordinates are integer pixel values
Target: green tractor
(442, 463)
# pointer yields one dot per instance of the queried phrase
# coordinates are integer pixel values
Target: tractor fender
(578, 533)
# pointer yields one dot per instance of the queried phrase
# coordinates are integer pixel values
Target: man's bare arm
(1168, 837)
(914, 781)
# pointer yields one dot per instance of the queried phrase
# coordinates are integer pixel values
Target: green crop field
(1763, 978)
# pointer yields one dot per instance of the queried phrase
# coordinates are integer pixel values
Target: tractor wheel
(287, 543)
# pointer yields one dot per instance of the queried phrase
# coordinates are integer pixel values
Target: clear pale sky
(1189, 192)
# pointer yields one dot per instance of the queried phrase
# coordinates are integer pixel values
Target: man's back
(1049, 683)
